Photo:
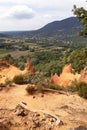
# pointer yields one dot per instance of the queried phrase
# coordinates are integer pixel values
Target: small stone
(43, 119)
(61, 123)
(0, 88)
(35, 124)
(25, 123)
(42, 95)
(20, 112)
(37, 114)
(17, 124)
(33, 96)
(52, 119)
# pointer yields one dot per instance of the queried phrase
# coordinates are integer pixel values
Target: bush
(73, 87)
(8, 82)
(29, 78)
(33, 78)
(30, 89)
(55, 87)
(40, 88)
(19, 79)
(82, 89)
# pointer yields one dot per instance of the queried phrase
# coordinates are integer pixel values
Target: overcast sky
(33, 14)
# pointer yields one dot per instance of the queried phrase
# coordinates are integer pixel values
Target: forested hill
(68, 26)
(3, 35)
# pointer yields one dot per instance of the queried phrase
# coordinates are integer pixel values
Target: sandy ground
(9, 73)
(70, 108)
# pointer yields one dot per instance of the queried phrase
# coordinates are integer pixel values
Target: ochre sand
(70, 108)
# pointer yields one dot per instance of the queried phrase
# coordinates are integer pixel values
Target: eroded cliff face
(55, 79)
(10, 71)
(83, 76)
(66, 77)
(28, 66)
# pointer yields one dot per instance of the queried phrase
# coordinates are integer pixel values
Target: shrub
(55, 87)
(19, 79)
(73, 87)
(27, 78)
(82, 89)
(40, 88)
(33, 78)
(2, 85)
(8, 82)
(30, 89)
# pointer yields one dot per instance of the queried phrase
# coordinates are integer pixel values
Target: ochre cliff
(83, 77)
(66, 77)
(9, 71)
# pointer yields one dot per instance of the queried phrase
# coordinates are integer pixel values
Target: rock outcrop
(22, 118)
(84, 75)
(28, 66)
(55, 79)
(10, 71)
(66, 77)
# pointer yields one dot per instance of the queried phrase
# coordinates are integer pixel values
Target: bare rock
(21, 109)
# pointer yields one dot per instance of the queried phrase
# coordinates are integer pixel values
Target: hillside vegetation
(49, 91)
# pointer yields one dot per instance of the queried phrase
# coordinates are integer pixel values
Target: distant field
(4, 52)
(15, 54)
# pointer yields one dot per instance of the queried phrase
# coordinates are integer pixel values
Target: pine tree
(81, 14)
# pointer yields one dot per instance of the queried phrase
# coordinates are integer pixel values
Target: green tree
(81, 14)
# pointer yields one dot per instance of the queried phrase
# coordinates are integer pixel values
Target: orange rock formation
(10, 71)
(84, 75)
(66, 77)
(55, 79)
(29, 67)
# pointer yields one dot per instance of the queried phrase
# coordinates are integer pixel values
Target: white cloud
(48, 16)
(33, 14)
(19, 12)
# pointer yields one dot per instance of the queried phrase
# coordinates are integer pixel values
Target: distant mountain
(3, 35)
(68, 26)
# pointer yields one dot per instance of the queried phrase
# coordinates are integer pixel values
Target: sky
(34, 14)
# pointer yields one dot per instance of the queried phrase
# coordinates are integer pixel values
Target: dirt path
(71, 109)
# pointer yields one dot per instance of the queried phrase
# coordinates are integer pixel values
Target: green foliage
(30, 89)
(81, 14)
(40, 88)
(19, 79)
(29, 78)
(20, 62)
(78, 58)
(33, 78)
(47, 62)
(53, 86)
(8, 82)
(10, 58)
(82, 89)
(53, 62)
(73, 87)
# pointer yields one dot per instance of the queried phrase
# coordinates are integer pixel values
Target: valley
(43, 78)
